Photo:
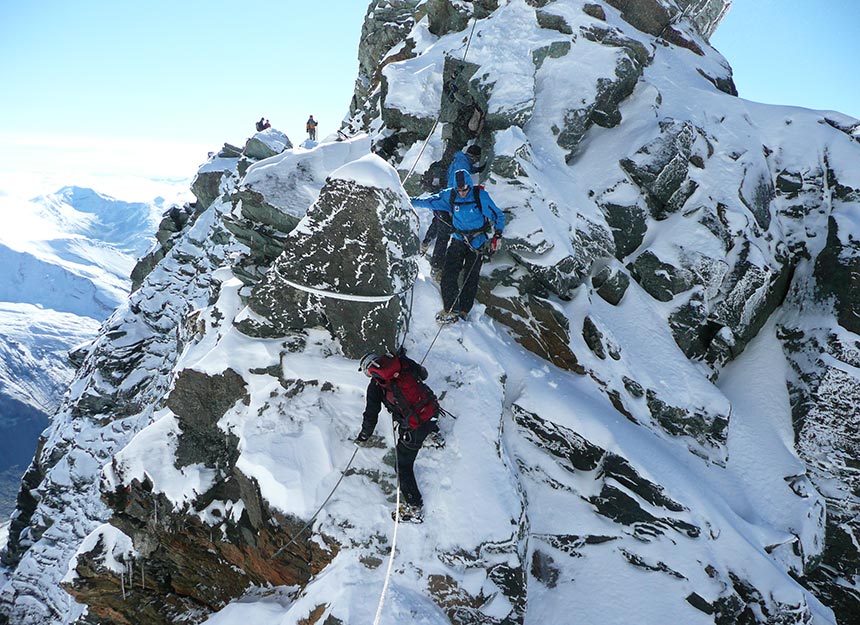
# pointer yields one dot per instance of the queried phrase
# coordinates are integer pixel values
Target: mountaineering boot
(444, 317)
(434, 439)
(409, 513)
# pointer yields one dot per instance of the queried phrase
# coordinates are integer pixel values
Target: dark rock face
(656, 18)
(386, 23)
(631, 60)
(660, 168)
(837, 271)
(536, 325)
(576, 454)
(206, 185)
(825, 395)
(186, 568)
(345, 268)
(824, 398)
(611, 284)
(199, 401)
(661, 280)
(174, 221)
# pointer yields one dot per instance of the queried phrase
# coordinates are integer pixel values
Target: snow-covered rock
(65, 259)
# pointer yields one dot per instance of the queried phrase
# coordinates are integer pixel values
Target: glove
(363, 439)
(494, 242)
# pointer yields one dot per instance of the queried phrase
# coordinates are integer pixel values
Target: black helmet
(370, 359)
(474, 150)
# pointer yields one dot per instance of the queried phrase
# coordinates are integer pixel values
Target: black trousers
(409, 442)
(460, 258)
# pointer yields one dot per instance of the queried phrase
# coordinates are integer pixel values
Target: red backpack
(404, 391)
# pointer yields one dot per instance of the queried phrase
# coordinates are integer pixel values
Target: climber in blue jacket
(440, 227)
(477, 225)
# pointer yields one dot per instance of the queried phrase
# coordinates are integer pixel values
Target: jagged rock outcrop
(122, 378)
(178, 566)
(347, 267)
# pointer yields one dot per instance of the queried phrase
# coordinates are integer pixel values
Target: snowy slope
(65, 260)
(625, 397)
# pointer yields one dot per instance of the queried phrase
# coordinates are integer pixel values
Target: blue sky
(151, 87)
(798, 52)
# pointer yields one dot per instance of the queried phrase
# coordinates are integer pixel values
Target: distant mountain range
(65, 261)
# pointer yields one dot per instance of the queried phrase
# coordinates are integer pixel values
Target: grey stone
(628, 225)
(655, 17)
(266, 144)
(707, 429)
(593, 338)
(555, 50)
(355, 241)
(385, 24)
(595, 10)
(661, 280)
(611, 284)
(789, 182)
(660, 168)
(445, 16)
(199, 400)
(757, 196)
(552, 21)
(604, 110)
(837, 274)
(206, 185)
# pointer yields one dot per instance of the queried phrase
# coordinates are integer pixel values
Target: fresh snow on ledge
(370, 171)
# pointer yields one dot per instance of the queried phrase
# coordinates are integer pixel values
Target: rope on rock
(308, 524)
(439, 116)
(341, 296)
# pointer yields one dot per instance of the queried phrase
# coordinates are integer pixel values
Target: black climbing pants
(409, 442)
(460, 258)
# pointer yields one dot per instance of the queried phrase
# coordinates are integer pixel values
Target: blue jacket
(466, 217)
(460, 161)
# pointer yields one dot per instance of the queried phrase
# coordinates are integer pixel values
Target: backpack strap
(484, 229)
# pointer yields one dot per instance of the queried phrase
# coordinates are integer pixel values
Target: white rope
(334, 294)
(393, 535)
(396, 433)
(343, 296)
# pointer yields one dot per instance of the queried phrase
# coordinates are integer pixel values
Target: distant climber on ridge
(440, 227)
(311, 127)
(398, 382)
(263, 124)
(474, 216)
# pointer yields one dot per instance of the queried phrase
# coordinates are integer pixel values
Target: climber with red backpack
(397, 382)
(477, 225)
